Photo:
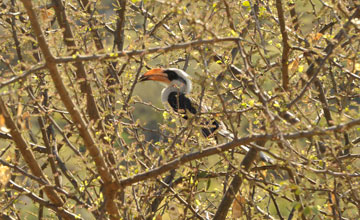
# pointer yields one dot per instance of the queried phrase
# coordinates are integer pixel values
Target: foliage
(82, 138)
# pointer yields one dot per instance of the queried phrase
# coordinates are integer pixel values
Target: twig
(286, 47)
(30, 159)
(103, 169)
(14, 79)
(60, 210)
(234, 187)
(120, 25)
(224, 147)
(307, 85)
(314, 69)
(81, 75)
(117, 54)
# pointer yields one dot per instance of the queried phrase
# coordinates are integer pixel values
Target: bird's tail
(230, 136)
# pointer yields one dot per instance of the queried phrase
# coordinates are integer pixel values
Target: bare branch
(34, 69)
(286, 47)
(314, 69)
(224, 147)
(145, 51)
(30, 159)
(60, 210)
(90, 144)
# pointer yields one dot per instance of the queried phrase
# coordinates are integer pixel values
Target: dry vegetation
(81, 138)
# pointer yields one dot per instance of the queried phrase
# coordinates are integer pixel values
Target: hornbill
(174, 95)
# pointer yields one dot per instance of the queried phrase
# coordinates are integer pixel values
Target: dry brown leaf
(237, 207)
(24, 120)
(293, 66)
(314, 37)
(19, 110)
(47, 14)
(333, 198)
(5, 175)
(2, 120)
(25, 115)
(317, 36)
(349, 64)
(264, 172)
(3, 127)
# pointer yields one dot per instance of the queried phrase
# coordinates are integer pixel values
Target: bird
(174, 95)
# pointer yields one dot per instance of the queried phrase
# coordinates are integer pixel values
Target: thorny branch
(224, 147)
(143, 52)
(83, 128)
(131, 156)
(286, 47)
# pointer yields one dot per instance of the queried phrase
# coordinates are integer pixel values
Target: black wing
(178, 101)
(211, 127)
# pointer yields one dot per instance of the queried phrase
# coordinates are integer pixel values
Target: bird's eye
(171, 74)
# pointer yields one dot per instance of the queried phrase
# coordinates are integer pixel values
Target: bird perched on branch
(174, 95)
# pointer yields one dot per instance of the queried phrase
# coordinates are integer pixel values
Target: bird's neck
(175, 86)
(180, 85)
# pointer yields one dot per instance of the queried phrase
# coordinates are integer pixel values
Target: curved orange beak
(155, 75)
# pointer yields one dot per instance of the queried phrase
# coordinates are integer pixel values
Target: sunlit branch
(314, 68)
(117, 54)
(224, 147)
(286, 47)
(91, 145)
(29, 158)
(35, 198)
(23, 76)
